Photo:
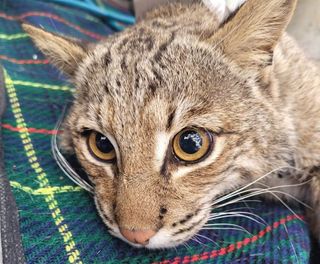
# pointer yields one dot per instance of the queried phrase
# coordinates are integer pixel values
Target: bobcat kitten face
(173, 113)
(159, 147)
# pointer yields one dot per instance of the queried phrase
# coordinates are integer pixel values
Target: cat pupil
(103, 143)
(190, 142)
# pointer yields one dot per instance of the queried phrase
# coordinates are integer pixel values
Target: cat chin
(162, 239)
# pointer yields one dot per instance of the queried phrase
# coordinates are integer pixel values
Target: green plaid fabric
(58, 220)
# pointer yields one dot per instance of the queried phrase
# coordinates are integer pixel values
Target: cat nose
(141, 237)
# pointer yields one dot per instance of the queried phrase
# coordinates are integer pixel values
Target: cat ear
(250, 36)
(63, 52)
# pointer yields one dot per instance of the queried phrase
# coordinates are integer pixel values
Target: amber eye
(101, 147)
(192, 144)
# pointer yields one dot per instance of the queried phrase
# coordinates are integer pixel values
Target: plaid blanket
(58, 221)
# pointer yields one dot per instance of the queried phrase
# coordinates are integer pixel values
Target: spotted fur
(242, 78)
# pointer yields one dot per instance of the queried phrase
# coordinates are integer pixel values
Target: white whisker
(247, 215)
(198, 241)
(64, 164)
(225, 225)
(207, 239)
(292, 246)
(227, 228)
(246, 186)
(258, 191)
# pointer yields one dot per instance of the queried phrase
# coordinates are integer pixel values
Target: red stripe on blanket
(55, 17)
(236, 246)
(31, 130)
(13, 60)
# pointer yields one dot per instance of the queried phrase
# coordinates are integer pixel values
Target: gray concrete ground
(305, 27)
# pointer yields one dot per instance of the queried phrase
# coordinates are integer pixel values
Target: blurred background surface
(305, 27)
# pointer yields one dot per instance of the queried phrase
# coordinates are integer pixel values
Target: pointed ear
(250, 36)
(65, 53)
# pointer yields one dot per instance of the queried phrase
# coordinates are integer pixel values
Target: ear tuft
(250, 36)
(65, 53)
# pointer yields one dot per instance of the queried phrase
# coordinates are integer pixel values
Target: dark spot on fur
(145, 39)
(156, 23)
(123, 43)
(152, 87)
(163, 210)
(163, 48)
(315, 169)
(189, 216)
(123, 65)
(106, 88)
(186, 219)
(281, 175)
(164, 168)
(118, 83)
(149, 42)
(137, 81)
(197, 211)
(269, 62)
(98, 119)
(170, 120)
(107, 59)
(157, 76)
(183, 230)
(137, 76)
(107, 218)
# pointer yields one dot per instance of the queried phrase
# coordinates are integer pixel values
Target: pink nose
(138, 236)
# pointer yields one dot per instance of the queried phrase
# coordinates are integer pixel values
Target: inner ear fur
(63, 52)
(250, 36)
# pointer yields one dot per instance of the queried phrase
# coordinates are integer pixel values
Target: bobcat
(195, 103)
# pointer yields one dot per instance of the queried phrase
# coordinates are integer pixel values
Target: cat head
(166, 120)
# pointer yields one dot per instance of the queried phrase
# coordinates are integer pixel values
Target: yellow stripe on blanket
(43, 85)
(13, 36)
(46, 190)
(70, 245)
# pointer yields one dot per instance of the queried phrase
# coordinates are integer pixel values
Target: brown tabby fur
(245, 80)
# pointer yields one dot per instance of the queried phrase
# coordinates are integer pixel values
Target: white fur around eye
(223, 8)
(162, 142)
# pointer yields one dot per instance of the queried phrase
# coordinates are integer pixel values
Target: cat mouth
(163, 238)
(166, 237)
